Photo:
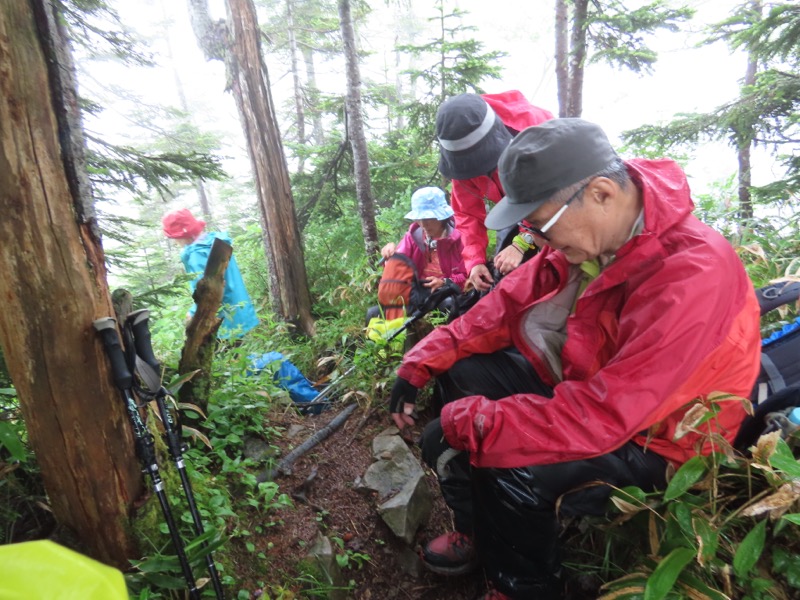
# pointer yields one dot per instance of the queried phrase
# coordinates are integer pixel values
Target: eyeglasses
(542, 232)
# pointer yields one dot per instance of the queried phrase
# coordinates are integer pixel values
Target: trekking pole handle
(107, 329)
(139, 323)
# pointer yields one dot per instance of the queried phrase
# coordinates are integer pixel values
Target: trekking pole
(331, 386)
(144, 443)
(430, 303)
(149, 369)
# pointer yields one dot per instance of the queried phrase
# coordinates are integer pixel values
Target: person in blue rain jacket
(237, 311)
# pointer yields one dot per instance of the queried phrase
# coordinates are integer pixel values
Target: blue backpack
(780, 352)
(777, 390)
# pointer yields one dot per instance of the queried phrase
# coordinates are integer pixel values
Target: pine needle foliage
(617, 33)
(456, 64)
(765, 114)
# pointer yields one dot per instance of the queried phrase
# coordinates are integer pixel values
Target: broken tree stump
(201, 332)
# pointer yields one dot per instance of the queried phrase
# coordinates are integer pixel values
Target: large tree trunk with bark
(53, 287)
(250, 85)
(238, 44)
(355, 127)
(570, 55)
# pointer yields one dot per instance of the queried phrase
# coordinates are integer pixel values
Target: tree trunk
(298, 87)
(202, 198)
(358, 141)
(250, 85)
(400, 120)
(249, 82)
(442, 54)
(562, 56)
(313, 92)
(745, 140)
(577, 59)
(53, 287)
(201, 332)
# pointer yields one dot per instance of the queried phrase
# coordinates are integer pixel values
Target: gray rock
(257, 449)
(394, 466)
(408, 509)
(295, 430)
(409, 562)
(323, 554)
(399, 481)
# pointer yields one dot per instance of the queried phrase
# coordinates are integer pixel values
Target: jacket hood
(665, 193)
(515, 111)
(208, 238)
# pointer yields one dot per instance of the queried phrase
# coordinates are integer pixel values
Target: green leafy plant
(347, 558)
(720, 530)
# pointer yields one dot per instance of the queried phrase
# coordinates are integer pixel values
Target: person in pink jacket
(580, 365)
(427, 259)
(473, 130)
(432, 242)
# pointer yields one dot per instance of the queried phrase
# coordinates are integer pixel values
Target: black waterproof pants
(511, 512)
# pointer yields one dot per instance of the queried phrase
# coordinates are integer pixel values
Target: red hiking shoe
(450, 554)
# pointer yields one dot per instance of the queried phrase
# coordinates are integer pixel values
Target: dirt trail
(333, 507)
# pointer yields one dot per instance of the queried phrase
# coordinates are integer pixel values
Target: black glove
(435, 298)
(402, 392)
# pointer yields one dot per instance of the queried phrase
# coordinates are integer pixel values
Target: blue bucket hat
(429, 203)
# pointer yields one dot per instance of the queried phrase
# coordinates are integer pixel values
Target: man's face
(578, 231)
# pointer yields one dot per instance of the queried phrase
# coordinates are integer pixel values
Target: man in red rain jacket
(581, 363)
(473, 131)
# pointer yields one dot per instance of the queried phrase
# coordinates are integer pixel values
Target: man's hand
(480, 278)
(388, 249)
(402, 403)
(508, 259)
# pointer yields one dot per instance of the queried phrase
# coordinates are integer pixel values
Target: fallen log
(284, 467)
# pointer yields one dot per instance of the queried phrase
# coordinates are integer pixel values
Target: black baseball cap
(471, 137)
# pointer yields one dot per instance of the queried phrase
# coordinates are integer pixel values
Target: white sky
(686, 79)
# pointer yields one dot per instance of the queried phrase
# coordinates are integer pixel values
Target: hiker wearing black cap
(582, 362)
(473, 130)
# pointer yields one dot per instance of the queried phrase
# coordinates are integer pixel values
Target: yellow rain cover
(44, 570)
(380, 330)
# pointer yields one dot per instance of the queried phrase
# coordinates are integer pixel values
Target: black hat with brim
(471, 137)
(543, 160)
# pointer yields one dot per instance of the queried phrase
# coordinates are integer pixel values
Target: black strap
(774, 376)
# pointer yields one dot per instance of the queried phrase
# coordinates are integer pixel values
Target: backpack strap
(774, 377)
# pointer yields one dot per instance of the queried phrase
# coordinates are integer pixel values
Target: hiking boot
(450, 554)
